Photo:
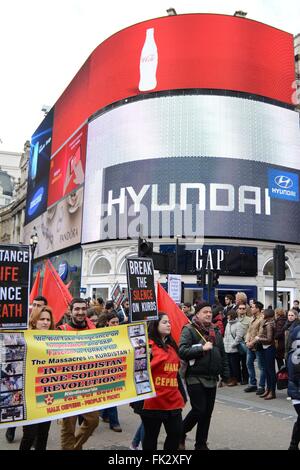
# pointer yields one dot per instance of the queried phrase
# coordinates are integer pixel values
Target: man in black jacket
(202, 347)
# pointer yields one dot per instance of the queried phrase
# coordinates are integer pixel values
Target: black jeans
(35, 433)
(152, 421)
(202, 401)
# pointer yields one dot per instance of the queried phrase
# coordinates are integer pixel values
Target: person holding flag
(202, 347)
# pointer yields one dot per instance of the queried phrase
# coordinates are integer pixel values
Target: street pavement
(241, 421)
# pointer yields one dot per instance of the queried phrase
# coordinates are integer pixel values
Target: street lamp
(34, 239)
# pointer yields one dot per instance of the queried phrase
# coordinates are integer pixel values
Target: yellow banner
(47, 375)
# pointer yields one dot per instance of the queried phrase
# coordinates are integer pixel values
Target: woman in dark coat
(280, 319)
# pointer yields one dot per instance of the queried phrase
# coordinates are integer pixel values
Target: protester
(217, 318)
(37, 434)
(294, 383)
(167, 406)
(201, 345)
(110, 415)
(38, 303)
(70, 440)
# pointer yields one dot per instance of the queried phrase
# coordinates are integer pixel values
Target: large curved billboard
(191, 165)
(191, 51)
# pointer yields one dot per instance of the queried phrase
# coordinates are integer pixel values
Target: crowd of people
(219, 345)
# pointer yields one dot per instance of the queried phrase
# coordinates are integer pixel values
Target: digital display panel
(38, 170)
(194, 51)
(193, 165)
(67, 167)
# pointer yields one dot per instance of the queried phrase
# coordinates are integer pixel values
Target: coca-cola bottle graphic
(148, 62)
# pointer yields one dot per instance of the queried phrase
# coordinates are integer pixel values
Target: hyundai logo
(283, 181)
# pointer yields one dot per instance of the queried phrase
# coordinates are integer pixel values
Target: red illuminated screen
(67, 167)
(185, 51)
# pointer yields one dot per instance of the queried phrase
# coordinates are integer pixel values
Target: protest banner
(117, 295)
(47, 375)
(14, 286)
(141, 289)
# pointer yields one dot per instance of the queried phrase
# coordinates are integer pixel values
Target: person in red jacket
(69, 439)
(166, 407)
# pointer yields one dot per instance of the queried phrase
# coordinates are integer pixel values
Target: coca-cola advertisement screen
(194, 51)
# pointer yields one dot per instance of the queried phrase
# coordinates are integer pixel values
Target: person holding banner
(167, 406)
(37, 434)
(38, 303)
(70, 440)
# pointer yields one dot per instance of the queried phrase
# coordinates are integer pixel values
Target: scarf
(208, 332)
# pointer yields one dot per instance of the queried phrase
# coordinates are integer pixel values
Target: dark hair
(232, 314)
(258, 305)
(187, 304)
(269, 313)
(77, 300)
(111, 315)
(230, 297)
(41, 298)
(155, 336)
(91, 312)
(296, 301)
(109, 304)
(100, 300)
(216, 310)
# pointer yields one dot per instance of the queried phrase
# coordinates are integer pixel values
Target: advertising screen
(67, 167)
(203, 51)
(59, 227)
(38, 171)
(193, 165)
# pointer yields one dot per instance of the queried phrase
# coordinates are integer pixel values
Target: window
(101, 266)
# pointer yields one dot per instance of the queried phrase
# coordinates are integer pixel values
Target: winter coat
(206, 364)
(218, 322)
(279, 337)
(289, 327)
(234, 334)
(294, 365)
(164, 369)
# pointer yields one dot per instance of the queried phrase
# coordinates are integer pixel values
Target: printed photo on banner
(14, 286)
(141, 289)
(63, 373)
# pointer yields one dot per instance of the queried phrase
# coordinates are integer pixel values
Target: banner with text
(141, 289)
(47, 375)
(14, 286)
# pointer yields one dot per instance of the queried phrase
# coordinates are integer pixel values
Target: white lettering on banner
(140, 267)
(220, 258)
(14, 256)
(214, 188)
(10, 293)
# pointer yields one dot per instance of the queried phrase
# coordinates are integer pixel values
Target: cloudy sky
(44, 43)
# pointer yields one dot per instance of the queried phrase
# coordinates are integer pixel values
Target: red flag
(177, 318)
(35, 288)
(55, 291)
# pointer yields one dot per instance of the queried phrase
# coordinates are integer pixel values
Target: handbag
(282, 378)
(242, 348)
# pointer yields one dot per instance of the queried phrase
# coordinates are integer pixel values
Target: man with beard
(202, 347)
